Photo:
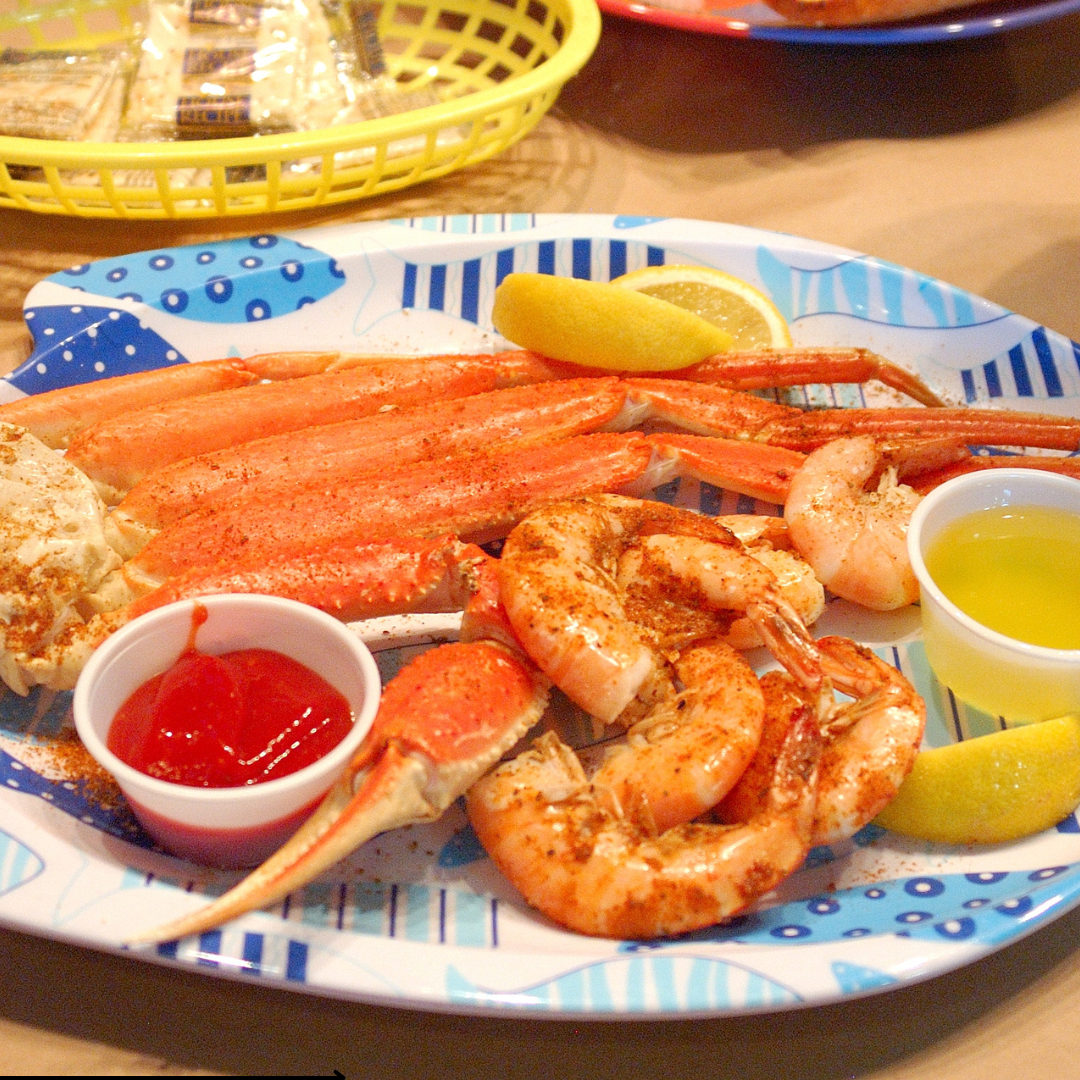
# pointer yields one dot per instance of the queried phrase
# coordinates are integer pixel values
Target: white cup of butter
(986, 668)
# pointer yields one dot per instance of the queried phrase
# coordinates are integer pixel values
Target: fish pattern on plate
(420, 916)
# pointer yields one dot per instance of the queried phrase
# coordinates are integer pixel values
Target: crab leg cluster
(281, 482)
(362, 485)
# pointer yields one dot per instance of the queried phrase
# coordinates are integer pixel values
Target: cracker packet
(60, 94)
(219, 68)
(350, 81)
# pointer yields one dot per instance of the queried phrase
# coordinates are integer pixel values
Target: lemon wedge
(992, 789)
(602, 325)
(746, 313)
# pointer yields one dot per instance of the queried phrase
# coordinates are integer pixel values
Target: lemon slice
(604, 326)
(991, 789)
(751, 318)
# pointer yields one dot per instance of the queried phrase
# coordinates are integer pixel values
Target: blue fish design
(81, 343)
(635, 984)
(250, 279)
(74, 797)
(986, 907)
(859, 286)
(18, 863)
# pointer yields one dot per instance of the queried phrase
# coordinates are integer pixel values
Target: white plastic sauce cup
(238, 826)
(996, 673)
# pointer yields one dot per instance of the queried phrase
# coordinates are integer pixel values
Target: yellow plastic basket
(497, 65)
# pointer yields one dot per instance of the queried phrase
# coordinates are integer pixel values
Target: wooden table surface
(961, 160)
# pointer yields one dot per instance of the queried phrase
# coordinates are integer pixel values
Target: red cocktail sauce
(230, 720)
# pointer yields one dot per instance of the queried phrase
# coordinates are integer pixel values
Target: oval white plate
(419, 917)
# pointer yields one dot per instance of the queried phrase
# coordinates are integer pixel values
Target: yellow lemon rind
(734, 301)
(993, 789)
(601, 325)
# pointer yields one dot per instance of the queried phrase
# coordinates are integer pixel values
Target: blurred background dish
(760, 22)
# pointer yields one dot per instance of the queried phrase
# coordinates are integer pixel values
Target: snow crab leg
(364, 580)
(280, 466)
(373, 444)
(443, 721)
(989, 427)
(715, 411)
(476, 496)
(56, 416)
(116, 453)
(328, 454)
(381, 545)
(800, 366)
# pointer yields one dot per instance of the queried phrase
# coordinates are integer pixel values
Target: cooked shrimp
(559, 577)
(856, 540)
(625, 618)
(595, 867)
(700, 598)
(690, 573)
(766, 537)
(870, 743)
(692, 746)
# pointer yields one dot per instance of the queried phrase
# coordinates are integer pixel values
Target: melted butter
(1015, 569)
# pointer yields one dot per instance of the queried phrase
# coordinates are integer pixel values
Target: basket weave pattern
(498, 66)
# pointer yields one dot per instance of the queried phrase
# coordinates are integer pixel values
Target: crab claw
(443, 722)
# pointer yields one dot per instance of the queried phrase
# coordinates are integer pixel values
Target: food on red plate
(855, 12)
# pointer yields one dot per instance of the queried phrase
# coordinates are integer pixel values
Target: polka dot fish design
(81, 343)
(249, 280)
(421, 917)
(246, 280)
(987, 905)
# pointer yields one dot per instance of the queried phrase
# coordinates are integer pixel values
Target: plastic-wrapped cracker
(210, 68)
(351, 83)
(238, 17)
(50, 94)
(219, 68)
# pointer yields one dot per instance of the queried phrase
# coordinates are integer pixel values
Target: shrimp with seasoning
(870, 742)
(595, 591)
(583, 860)
(855, 540)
